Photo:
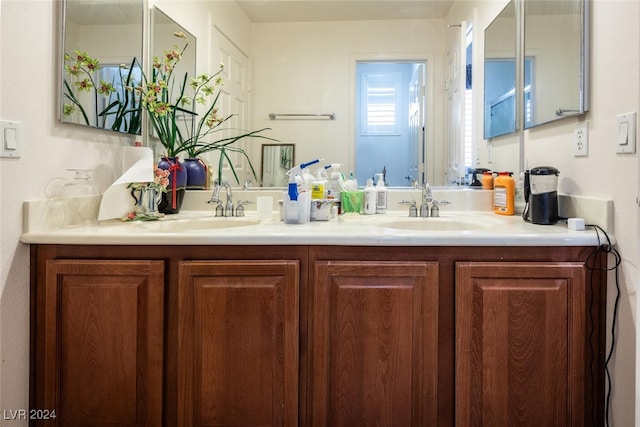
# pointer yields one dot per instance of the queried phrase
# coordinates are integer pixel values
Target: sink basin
(441, 224)
(193, 224)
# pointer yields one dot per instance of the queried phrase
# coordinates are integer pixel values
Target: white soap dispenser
(369, 198)
(381, 195)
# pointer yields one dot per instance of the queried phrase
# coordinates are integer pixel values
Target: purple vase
(196, 174)
(172, 199)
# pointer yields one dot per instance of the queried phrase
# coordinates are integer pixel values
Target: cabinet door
(520, 344)
(238, 343)
(375, 343)
(100, 349)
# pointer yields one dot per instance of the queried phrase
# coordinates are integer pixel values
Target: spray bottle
(297, 204)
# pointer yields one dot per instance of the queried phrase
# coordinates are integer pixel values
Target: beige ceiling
(344, 10)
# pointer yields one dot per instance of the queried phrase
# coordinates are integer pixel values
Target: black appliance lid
(544, 170)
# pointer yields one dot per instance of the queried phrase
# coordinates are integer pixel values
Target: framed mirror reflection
(277, 160)
(101, 55)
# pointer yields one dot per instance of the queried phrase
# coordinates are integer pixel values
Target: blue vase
(196, 174)
(172, 199)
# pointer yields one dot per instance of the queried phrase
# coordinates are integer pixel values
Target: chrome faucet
(227, 210)
(426, 199)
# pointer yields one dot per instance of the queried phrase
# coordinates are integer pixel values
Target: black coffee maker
(541, 195)
(472, 177)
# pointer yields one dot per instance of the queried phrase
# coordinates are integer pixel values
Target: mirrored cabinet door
(101, 55)
(555, 39)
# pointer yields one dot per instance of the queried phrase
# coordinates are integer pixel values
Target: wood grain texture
(238, 343)
(375, 343)
(521, 337)
(103, 342)
(44, 345)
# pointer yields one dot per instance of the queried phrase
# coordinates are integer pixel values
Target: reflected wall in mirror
(555, 43)
(163, 39)
(102, 53)
(500, 74)
(277, 160)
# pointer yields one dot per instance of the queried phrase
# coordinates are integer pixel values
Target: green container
(352, 201)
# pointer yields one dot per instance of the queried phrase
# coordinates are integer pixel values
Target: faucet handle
(413, 210)
(435, 210)
(219, 208)
(240, 207)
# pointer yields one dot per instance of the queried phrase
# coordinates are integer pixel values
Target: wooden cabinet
(520, 344)
(238, 343)
(375, 342)
(100, 331)
(317, 336)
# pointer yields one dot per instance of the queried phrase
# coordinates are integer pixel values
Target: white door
(233, 100)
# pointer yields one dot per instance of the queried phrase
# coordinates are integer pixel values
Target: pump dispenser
(319, 186)
(369, 198)
(296, 200)
(381, 195)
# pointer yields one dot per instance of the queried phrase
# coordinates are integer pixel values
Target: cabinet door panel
(520, 352)
(374, 343)
(103, 342)
(238, 343)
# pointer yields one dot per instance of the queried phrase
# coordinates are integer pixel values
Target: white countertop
(453, 228)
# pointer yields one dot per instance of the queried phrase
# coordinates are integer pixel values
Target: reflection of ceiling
(342, 10)
(100, 12)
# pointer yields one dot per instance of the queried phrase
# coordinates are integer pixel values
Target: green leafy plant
(122, 106)
(171, 103)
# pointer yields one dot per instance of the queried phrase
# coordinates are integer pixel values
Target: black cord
(607, 249)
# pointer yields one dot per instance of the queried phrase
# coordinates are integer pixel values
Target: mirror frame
(130, 122)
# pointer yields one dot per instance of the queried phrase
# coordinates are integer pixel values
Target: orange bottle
(504, 190)
(487, 180)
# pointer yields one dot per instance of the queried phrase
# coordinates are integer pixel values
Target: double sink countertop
(466, 227)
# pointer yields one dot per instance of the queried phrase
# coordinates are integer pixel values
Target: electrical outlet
(581, 140)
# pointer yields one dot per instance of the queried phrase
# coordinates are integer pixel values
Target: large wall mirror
(102, 54)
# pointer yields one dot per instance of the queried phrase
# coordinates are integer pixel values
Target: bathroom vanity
(350, 322)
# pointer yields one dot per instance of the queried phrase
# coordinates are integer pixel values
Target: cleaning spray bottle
(296, 201)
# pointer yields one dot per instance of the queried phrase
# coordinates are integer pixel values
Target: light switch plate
(10, 139)
(626, 129)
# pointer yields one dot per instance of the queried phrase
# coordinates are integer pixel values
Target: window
(380, 100)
